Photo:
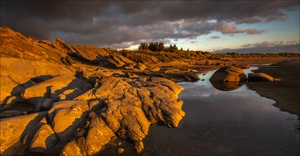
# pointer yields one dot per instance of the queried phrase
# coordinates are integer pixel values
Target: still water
(237, 121)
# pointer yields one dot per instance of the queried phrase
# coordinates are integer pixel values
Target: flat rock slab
(43, 140)
(66, 117)
(15, 129)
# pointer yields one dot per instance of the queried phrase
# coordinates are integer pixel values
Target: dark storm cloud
(265, 47)
(121, 23)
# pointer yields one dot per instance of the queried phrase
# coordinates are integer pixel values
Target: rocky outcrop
(16, 75)
(118, 60)
(141, 106)
(60, 44)
(72, 148)
(83, 96)
(229, 74)
(140, 66)
(18, 131)
(174, 74)
(66, 117)
(7, 84)
(90, 53)
(43, 140)
(62, 86)
(98, 135)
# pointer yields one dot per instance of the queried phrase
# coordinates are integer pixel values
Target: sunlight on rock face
(141, 107)
(66, 117)
(57, 98)
(44, 139)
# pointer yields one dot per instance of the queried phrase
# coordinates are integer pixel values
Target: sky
(248, 26)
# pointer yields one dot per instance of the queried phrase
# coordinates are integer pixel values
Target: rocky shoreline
(71, 109)
(73, 100)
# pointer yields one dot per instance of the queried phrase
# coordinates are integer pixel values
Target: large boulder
(229, 74)
(254, 77)
(66, 117)
(18, 130)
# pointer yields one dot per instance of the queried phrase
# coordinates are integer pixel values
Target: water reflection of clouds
(204, 88)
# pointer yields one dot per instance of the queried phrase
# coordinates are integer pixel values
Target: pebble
(120, 150)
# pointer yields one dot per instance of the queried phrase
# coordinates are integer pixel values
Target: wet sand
(286, 91)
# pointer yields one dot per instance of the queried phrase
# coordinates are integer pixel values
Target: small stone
(80, 133)
(119, 144)
(141, 66)
(120, 150)
(10, 113)
(208, 62)
(131, 76)
(47, 104)
(86, 124)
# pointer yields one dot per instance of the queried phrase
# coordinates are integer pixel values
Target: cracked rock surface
(73, 100)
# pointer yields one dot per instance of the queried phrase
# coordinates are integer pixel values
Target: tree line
(158, 46)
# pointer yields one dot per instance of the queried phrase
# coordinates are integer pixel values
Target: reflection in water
(238, 122)
(226, 86)
(223, 86)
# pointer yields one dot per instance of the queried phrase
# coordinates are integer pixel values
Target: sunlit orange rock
(18, 130)
(66, 117)
(229, 74)
(43, 140)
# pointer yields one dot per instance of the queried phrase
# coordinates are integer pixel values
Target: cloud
(265, 47)
(215, 37)
(104, 23)
(227, 28)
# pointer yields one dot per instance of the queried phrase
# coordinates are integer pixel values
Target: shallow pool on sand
(226, 122)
